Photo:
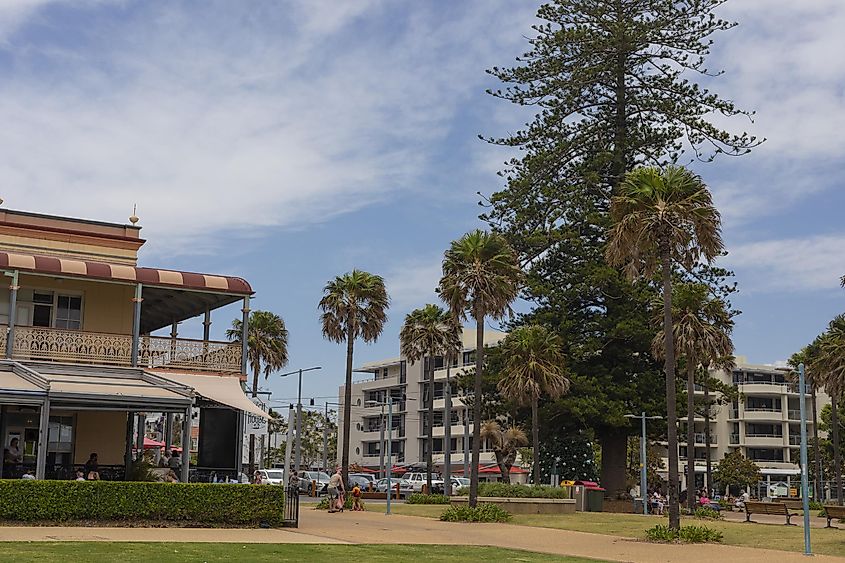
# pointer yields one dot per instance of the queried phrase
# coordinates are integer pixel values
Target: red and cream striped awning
(123, 273)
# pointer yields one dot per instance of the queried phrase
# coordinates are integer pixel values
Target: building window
(469, 358)
(42, 308)
(69, 312)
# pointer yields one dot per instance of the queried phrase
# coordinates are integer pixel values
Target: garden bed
(87, 503)
(519, 505)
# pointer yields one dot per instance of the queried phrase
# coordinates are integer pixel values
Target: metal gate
(290, 518)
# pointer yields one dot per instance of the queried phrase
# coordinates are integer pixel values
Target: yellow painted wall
(68, 249)
(103, 432)
(107, 307)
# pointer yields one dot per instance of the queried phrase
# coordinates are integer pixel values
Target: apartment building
(406, 383)
(764, 425)
(82, 363)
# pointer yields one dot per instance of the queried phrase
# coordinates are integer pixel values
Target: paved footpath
(377, 528)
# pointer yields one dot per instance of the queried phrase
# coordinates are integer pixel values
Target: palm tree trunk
(447, 439)
(707, 453)
(671, 411)
(535, 437)
(430, 456)
(690, 434)
(476, 407)
(347, 401)
(255, 373)
(837, 460)
(817, 489)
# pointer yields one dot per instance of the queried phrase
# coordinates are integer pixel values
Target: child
(356, 498)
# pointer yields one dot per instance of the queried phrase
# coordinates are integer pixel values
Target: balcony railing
(699, 438)
(734, 438)
(794, 414)
(76, 346)
(794, 440)
(762, 409)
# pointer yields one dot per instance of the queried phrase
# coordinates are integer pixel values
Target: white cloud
(239, 116)
(412, 284)
(798, 264)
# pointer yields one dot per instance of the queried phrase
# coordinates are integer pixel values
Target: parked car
(306, 478)
(272, 476)
(405, 486)
(368, 476)
(458, 483)
(362, 482)
(419, 479)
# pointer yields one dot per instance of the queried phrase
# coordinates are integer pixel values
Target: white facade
(404, 380)
(764, 425)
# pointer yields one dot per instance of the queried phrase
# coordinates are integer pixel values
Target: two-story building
(80, 361)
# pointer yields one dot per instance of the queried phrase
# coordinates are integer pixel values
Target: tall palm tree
(661, 219)
(506, 444)
(267, 351)
(829, 364)
(353, 306)
(481, 278)
(533, 368)
(815, 381)
(702, 327)
(429, 332)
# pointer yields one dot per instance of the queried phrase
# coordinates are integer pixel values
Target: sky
(291, 141)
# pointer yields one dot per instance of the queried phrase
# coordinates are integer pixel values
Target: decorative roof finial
(1, 201)
(134, 218)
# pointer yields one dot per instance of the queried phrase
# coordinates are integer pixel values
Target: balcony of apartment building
(769, 457)
(764, 382)
(371, 454)
(764, 435)
(766, 408)
(382, 375)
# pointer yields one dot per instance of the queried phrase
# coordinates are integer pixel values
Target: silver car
(405, 487)
(306, 477)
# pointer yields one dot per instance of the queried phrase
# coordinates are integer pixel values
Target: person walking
(336, 491)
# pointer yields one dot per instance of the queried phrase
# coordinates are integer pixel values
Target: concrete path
(377, 528)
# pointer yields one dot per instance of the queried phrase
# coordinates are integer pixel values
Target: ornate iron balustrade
(38, 343)
(180, 353)
(76, 346)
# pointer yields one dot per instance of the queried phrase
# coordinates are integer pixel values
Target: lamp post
(643, 469)
(326, 436)
(805, 489)
(389, 464)
(299, 411)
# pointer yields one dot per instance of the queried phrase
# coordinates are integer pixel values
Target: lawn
(768, 536)
(103, 552)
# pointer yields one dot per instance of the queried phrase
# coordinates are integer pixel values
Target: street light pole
(299, 412)
(805, 490)
(643, 459)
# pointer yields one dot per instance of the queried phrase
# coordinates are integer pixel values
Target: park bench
(774, 508)
(792, 503)
(833, 512)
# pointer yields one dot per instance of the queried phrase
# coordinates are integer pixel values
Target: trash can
(594, 496)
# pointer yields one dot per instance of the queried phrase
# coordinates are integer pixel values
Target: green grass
(767, 536)
(103, 552)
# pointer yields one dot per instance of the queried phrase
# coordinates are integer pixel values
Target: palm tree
(533, 368)
(702, 327)
(267, 351)
(353, 306)
(661, 219)
(481, 278)
(506, 444)
(829, 364)
(431, 331)
(814, 380)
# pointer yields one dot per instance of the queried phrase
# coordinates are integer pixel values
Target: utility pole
(288, 444)
(643, 460)
(299, 411)
(805, 492)
(381, 444)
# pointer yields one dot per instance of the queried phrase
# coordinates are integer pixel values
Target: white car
(417, 481)
(272, 476)
(405, 487)
(459, 483)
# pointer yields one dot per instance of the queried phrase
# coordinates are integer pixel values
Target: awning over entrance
(93, 388)
(221, 389)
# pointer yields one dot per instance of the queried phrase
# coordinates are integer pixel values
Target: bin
(593, 496)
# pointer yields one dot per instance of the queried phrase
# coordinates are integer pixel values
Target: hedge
(142, 502)
(518, 491)
(419, 498)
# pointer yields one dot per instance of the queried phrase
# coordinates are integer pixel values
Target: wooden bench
(792, 503)
(774, 508)
(833, 512)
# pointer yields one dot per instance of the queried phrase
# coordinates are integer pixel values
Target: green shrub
(324, 504)
(113, 501)
(687, 534)
(418, 498)
(707, 513)
(481, 513)
(518, 491)
(816, 505)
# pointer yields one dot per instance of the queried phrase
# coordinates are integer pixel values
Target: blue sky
(288, 142)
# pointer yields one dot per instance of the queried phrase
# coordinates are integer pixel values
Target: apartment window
(469, 358)
(69, 312)
(384, 373)
(760, 454)
(372, 449)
